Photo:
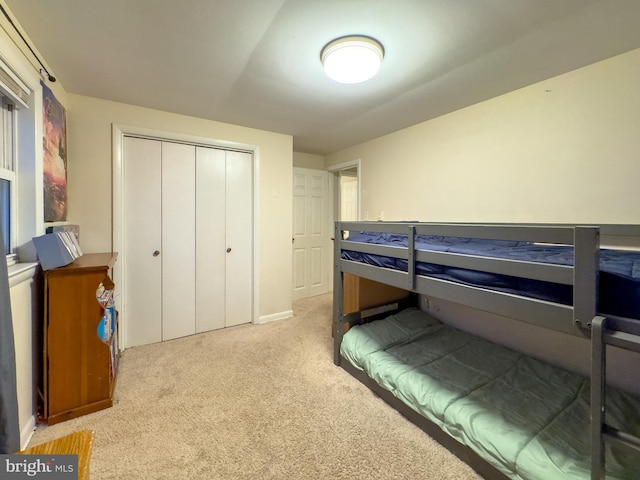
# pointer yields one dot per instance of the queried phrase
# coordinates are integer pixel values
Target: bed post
(586, 263)
(411, 262)
(338, 294)
(598, 389)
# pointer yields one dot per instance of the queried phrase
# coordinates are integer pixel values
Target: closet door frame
(119, 131)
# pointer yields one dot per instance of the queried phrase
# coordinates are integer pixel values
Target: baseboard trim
(275, 316)
(27, 432)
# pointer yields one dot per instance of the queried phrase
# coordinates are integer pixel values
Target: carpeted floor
(253, 402)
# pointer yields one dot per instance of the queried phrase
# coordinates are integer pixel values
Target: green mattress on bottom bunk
(527, 418)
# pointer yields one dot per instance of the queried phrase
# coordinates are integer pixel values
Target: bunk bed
(505, 414)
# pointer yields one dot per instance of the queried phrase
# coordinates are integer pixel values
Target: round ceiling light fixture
(352, 59)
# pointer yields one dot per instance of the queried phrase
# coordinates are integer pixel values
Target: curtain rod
(50, 77)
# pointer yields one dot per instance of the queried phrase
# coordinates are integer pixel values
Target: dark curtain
(9, 425)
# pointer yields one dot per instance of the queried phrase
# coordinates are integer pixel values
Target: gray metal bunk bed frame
(581, 318)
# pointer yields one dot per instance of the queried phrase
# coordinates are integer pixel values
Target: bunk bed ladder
(601, 336)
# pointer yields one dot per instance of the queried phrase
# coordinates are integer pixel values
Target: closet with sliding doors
(188, 242)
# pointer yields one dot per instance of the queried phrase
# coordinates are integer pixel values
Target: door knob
(156, 253)
(229, 250)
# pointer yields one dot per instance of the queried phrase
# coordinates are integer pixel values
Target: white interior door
(348, 198)
(311, 232)
(178, 240)
(142, 223)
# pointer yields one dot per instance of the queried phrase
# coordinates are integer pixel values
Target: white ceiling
(256, 63)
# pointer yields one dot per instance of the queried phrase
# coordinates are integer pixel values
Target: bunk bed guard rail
(583, 275)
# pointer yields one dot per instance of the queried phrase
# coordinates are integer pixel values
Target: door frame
(337, 201)
(335, 170)
(119, 131)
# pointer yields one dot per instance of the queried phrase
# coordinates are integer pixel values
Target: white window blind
(12, 86)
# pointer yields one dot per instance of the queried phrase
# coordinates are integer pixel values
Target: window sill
(21, 272)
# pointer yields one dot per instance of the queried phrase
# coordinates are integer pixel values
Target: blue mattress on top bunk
(619, 283)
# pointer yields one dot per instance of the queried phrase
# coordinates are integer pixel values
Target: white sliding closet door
(178, 240)
(223, 238)
(210, 239)
(239, 238)
(142, 224)
(188, 246)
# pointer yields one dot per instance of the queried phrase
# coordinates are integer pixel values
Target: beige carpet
(253, 402)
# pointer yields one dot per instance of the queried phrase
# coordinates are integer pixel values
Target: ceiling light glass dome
(352, 59)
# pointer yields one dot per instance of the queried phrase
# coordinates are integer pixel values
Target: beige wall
(308, 160)
(563, 150)
(90, 199)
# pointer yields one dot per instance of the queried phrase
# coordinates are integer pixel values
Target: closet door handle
(229, 250)
(156, 253)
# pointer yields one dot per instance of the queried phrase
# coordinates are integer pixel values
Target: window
(7, 175)
(18, 163)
